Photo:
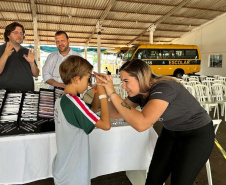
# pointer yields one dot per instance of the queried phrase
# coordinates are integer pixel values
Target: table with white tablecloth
(28, 158)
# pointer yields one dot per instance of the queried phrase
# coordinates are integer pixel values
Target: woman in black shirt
(187, 138)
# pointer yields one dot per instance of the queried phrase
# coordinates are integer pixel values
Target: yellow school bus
(170, 59)
(112, 58)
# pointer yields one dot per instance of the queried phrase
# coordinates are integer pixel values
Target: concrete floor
(217, 162)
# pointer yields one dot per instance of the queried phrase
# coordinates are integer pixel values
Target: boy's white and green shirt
(74, 120)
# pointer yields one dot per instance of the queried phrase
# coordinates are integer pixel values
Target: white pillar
(98, 51)
(36, 38)
(151, 37)
(98, 26)
(151, 31)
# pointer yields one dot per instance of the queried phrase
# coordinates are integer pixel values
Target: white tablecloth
(29, 158)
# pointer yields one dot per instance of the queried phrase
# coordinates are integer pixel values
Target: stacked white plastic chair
(204, 98)
(191, 89)
(208, 83)
(218, 82)
(116, 79)
(193, 82)
(194, 78)
(121, 92)
(219, 95)
(202, 77)
(39, 85)
(185, 78)
(210, 79)
(217, 77)
(223, 78)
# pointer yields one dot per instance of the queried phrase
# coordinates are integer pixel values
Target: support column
(36, 38)
(98, 46)
(151, 31)
(85, 52)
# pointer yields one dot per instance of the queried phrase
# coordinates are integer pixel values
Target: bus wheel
(178, 73)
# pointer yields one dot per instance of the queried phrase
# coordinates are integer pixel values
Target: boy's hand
(106, 81)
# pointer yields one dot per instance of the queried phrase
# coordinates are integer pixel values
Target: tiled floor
(217, 161)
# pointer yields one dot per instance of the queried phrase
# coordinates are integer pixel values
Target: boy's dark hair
(74, 66)
(62, 32)
(11, 27)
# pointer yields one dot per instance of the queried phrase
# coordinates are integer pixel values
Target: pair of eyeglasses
(92, 79)
(16, 33)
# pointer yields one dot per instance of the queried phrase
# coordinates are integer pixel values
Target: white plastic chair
(116, 79)
(216, 123)
(193, 82)
(191, 89)
(121, 92)
(217, 77)
(208, 83)
(193, 78)
(204, 98)
(202, 77)
(39, 85)
(223, 78)
(219, 96)
(185, 77)
(218, 82)
(210, 78)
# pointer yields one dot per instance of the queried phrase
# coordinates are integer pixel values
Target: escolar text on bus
(179, 62)
(168, 62)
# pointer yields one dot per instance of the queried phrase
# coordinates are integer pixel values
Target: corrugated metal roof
(123, 21)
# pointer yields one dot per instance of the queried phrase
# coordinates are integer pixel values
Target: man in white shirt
(50, 70)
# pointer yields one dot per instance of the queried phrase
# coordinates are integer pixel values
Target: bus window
(123, 53)
(179, 54)
(154, 54)
(168, 54)
(141, 54)
(191, 54)
(128, 55)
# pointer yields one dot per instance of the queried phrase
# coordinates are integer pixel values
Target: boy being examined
(74, 120)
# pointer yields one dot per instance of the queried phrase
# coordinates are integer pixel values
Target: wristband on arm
(102, 96)
(109, 99)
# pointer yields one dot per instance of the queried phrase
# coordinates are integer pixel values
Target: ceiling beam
(113, 11)
(122, 35)
(116, 20)
(172, 11)
(107, 34)
(130, 1)
(102, 17)
(143, 13)
(72, 24)
(71, 42)
(167, 4)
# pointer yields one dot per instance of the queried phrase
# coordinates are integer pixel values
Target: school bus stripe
(173, 62)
